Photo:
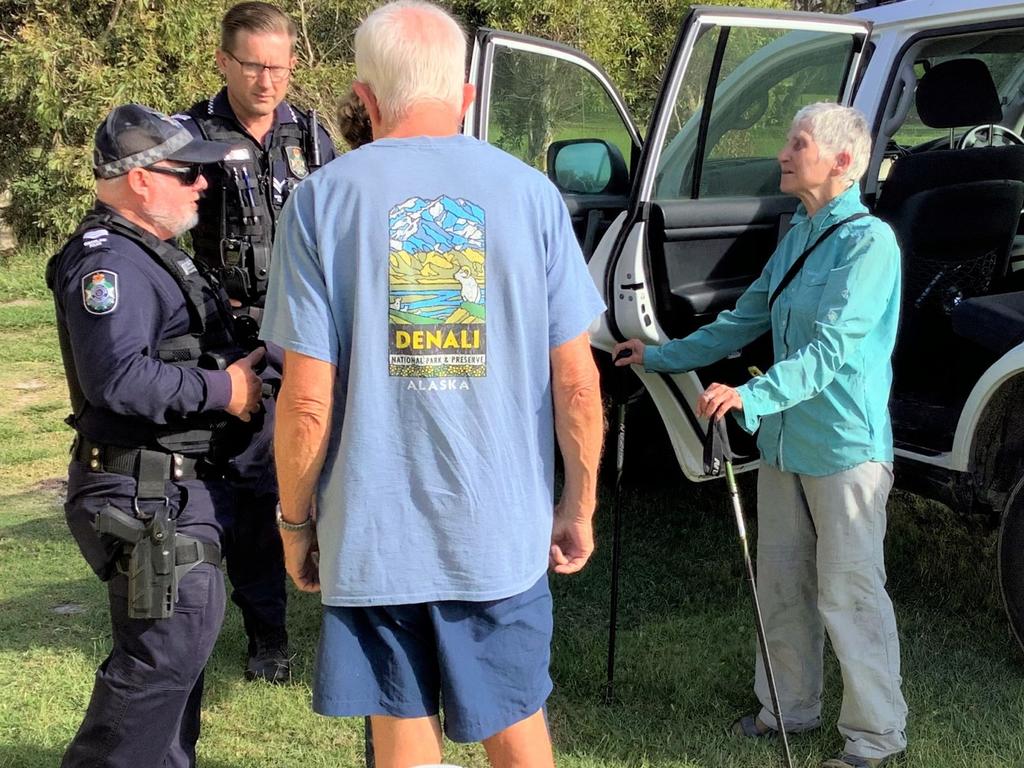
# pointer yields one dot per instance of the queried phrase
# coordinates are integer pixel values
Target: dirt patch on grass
(23, 303)
(55, 485)
(31, 385)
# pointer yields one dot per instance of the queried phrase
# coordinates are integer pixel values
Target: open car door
(556, 110)
(705, 212)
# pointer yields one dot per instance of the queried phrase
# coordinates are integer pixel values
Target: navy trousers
(252, 544)
(145, 703)
(146, 698)
(255, 561)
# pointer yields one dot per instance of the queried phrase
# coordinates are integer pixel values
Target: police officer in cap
(274, 146)
(162, 395)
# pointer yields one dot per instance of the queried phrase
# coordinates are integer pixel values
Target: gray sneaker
(847, 760)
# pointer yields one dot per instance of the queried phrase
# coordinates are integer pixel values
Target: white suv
(677, 222)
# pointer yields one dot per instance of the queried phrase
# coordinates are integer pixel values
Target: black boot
(269, 658)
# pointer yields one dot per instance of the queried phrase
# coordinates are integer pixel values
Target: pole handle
(717, 451)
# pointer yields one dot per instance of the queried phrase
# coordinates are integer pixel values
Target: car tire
(1010, 560)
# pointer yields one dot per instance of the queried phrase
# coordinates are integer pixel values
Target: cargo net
(935, 285)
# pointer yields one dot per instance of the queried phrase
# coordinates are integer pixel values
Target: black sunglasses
(187, 174)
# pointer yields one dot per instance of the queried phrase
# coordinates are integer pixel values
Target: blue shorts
(484, 663)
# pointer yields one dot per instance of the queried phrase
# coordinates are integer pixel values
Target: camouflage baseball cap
(134, 136)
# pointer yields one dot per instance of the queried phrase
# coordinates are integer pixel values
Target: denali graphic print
(436, 298)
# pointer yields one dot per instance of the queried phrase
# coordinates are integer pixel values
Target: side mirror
(587, 167)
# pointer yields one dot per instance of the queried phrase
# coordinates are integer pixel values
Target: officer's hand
(246, 386)
(630, 352)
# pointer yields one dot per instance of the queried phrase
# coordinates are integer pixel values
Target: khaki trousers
(820, 568)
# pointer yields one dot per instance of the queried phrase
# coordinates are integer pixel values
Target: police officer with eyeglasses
(163, 393)
(274, 146)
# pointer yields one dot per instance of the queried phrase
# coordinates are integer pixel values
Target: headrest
(957, 93)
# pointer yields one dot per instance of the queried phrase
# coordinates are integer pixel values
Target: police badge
(99, 292)
(297, 162)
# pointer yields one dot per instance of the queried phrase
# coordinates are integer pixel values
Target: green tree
(67, 62)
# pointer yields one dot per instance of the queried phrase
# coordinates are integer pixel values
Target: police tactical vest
(210, 343)
(247, 191)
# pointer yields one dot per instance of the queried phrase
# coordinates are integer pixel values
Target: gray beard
(175, 224)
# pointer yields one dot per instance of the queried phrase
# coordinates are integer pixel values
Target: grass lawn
(686, 635)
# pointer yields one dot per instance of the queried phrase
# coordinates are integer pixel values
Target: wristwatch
(284, 525)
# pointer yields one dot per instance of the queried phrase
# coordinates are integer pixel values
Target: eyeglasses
(186, 174)
(253, 69)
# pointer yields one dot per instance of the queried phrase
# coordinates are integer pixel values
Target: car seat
(955, 214)
(953, 94)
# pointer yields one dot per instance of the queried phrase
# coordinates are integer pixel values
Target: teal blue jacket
(823, 406)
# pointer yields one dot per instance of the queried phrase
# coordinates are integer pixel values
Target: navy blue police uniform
(248, 189)
(136, 320)
(237, 217)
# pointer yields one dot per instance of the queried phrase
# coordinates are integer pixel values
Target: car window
(537, 99)
(1003, 65)
(761, 78)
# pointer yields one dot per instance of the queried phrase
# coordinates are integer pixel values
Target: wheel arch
(989, 444)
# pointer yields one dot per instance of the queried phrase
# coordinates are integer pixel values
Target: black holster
(147, 559)
(154, 556)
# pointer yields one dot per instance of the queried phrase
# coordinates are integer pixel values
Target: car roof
(905, 10)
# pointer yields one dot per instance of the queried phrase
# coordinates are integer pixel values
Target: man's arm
(579, 427)
(300, 447)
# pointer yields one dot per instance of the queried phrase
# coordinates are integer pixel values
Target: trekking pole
(620, 453)
(716, 453)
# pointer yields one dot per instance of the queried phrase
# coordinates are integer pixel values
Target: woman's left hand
(717, 401)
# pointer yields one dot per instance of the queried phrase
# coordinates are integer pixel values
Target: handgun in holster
(147, 559)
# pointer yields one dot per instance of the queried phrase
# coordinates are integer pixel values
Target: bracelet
(284, 525)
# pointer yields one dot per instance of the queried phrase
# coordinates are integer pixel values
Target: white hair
(837, 129)
(411, 51)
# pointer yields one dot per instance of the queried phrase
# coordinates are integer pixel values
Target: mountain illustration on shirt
(437, 288)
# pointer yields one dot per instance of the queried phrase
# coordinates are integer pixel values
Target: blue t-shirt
(436, 274)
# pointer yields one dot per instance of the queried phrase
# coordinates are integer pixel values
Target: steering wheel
(978, 136)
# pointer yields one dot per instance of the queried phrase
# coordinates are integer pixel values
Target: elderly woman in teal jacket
(825, 439)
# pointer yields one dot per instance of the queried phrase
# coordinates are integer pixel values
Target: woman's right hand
(630, 352)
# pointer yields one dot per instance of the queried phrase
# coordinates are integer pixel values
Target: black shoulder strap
(797, 265)
(162, 253)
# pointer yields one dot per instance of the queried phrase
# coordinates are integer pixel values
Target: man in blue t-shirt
(434, 305)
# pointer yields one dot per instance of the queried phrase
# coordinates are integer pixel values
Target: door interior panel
(701, 260)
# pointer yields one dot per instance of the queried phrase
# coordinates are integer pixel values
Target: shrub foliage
(65, 63)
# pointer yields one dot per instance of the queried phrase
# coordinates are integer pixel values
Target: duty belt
(154, 556)
(125, 461)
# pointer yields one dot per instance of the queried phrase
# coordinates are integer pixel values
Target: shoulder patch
(94, 238)
(297, 162)
(187, 266)
(99, 292)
